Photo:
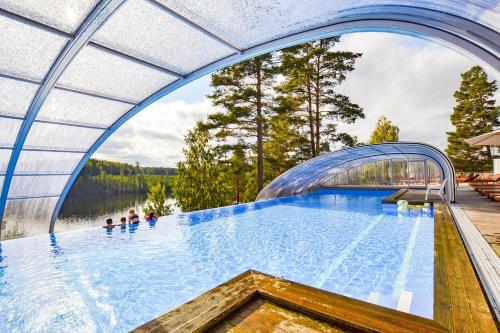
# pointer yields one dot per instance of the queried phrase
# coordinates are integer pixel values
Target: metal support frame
(97, 17)
(476, 39)
(321, 164)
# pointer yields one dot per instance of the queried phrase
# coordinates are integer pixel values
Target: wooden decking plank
(482, 319)
(263, 316)
(195, 315)
(462, 317)
(340, 309)
(442, 303)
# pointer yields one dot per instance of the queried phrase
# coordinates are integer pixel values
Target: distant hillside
(109, 177)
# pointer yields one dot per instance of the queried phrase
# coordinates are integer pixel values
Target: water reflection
(79, 212)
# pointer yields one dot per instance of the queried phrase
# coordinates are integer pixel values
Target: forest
(109, 177)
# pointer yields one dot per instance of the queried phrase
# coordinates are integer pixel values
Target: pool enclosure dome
(72, 72)
(312, 174)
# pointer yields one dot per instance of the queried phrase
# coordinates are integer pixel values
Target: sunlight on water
(98, 281)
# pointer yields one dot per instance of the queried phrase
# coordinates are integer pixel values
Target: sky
(408, 79)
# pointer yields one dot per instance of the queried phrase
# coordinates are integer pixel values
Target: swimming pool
(344, 241)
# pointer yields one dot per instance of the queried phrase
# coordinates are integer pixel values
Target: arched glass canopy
(312, 174)
(72, 72)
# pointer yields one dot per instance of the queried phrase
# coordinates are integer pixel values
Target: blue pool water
(93, 281)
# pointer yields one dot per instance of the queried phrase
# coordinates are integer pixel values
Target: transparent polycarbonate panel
(10, 129)
(27, 51)
(249, 23)
(144, 31)
(46, 162)
(4, 159)
(36, 186)
(61, 137)
(100, 72)
(27, 217)
(15, 96)
(65, 15)
(434, 173)
(76, 108)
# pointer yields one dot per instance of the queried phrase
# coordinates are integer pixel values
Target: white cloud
(155, 135)
(410, 80)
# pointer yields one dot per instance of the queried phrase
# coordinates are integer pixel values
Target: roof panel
(147, 32)
(4, 159)
(31, 213)
(249, 23)
(36, 186)
(61, 137)
(103, 73)
(10, 128)
(27, 51)
(15, 96)
(46, 162)
(64, 15)
(65, 106)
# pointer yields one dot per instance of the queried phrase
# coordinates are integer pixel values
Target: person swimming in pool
(123, 222)
(109, 224)
(133, 217)
(151, 217)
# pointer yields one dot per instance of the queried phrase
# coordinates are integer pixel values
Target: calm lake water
(88, 211)
(80, 212)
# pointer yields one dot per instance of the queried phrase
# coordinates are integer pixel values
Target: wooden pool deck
(256, 302)
(413, 196)
(483, 213)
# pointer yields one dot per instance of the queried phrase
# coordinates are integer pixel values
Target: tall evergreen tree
(313, 71)
(200, 183)
(476, 113)
(244, 90)
(384, 131)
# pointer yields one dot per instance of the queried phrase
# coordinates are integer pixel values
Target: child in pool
(123, 222)
(151, 217)
(109, 224)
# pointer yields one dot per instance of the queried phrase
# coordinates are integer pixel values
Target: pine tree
(313, 71)
(157, 201)
(476, 113)
(384, 131)
(200, 182)
(244, 90)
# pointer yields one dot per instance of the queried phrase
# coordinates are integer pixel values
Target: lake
(79, 212)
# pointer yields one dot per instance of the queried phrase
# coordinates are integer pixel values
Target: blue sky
(408, 79)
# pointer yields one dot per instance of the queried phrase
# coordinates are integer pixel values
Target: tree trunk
(238, 190)
(318, 120)
(311, 119)
(260, 146)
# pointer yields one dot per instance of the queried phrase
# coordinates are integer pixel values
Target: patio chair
(439, 188)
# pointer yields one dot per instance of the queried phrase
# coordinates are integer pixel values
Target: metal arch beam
(97, 17)
(391, 21)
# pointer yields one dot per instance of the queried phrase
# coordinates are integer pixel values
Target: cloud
(408, 79)
(155, 136)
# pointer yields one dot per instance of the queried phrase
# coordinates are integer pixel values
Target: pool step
(404, 303)
(373, 297)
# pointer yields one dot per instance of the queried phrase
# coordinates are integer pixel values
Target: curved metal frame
(317, 168)
(96, 18)
(476, 39)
